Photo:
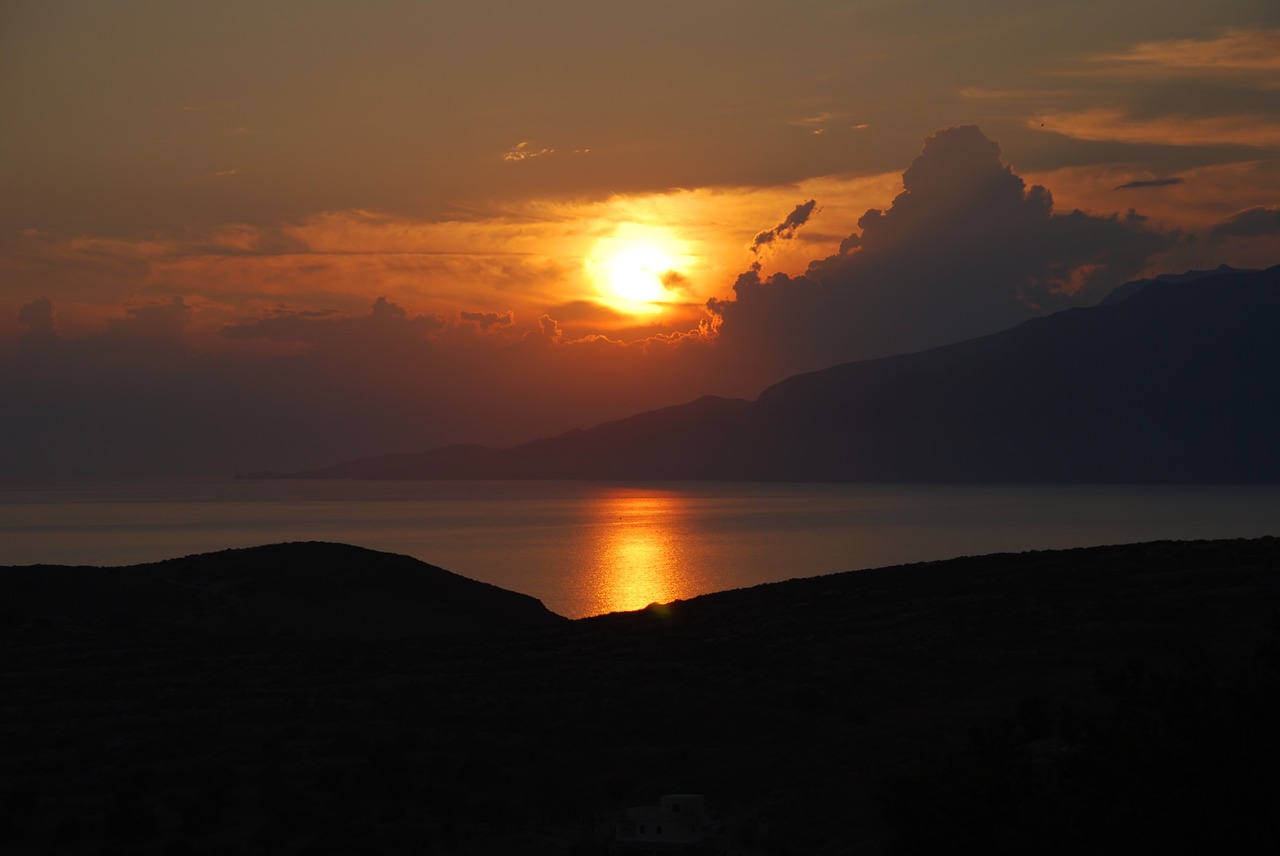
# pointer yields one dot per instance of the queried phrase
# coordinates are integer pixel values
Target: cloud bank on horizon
(341, 245)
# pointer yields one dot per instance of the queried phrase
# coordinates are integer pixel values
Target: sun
(634, 272)
(632, 268)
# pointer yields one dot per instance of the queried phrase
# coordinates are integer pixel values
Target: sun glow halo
(630, 266)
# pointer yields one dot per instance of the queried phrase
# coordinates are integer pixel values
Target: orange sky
(332, 229)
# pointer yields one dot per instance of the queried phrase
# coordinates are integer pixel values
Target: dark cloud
(673, 280)
(148, 330)
(966, 249)
(488, 319)
(787, 228)
(155, 316)
(1250, 223)
(583, 314)
(333, 329)
(849, 244)
(1155, 182)
(385, 309)
(37, 316)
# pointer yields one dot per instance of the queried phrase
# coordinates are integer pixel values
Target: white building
(677, 819)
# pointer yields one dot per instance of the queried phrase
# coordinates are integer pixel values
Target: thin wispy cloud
(524, 150)
(1118, 125)
(1018, 96)
(1152, 182)
(1235, 50)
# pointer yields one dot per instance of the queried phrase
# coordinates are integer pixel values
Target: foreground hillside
(1112, 699)
(1173, 381)
(310, 590)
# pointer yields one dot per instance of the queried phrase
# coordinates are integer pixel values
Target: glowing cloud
(1104, 123)
(522, 151)
(1236, 49)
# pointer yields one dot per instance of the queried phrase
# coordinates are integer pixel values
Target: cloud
(1154, 182)
(966, 249)
(1236, 49)
(488, 319)
(37, 316)
(1009, 96)
(673, 280)
(786, 229)
(814, 121)
(1114, 125)
(1255, 222)
(548, 328)
(331, 329)
(522, 151)
(152, 324)
(1208, 194)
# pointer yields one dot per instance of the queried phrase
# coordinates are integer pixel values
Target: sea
(587, 548)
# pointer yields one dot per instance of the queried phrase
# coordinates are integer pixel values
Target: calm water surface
(585, 548)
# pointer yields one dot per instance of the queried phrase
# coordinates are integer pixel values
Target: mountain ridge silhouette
(1170, 380)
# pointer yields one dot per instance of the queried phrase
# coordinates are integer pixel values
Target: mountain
(312, 590)
(1124, 292)
(1172, 381)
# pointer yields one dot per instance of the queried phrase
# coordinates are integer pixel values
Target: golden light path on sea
(636, 537)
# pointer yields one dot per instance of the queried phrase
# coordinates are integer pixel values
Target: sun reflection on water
(636, 537)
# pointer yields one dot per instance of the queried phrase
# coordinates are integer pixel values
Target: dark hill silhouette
(1109, 699)
(311, 589)
(1173, 381)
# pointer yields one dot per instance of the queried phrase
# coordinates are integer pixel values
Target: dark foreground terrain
(313, 698)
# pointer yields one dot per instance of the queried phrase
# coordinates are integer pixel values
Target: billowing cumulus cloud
(966, 249)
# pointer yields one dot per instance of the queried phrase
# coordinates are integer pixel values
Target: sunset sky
(244, 235)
